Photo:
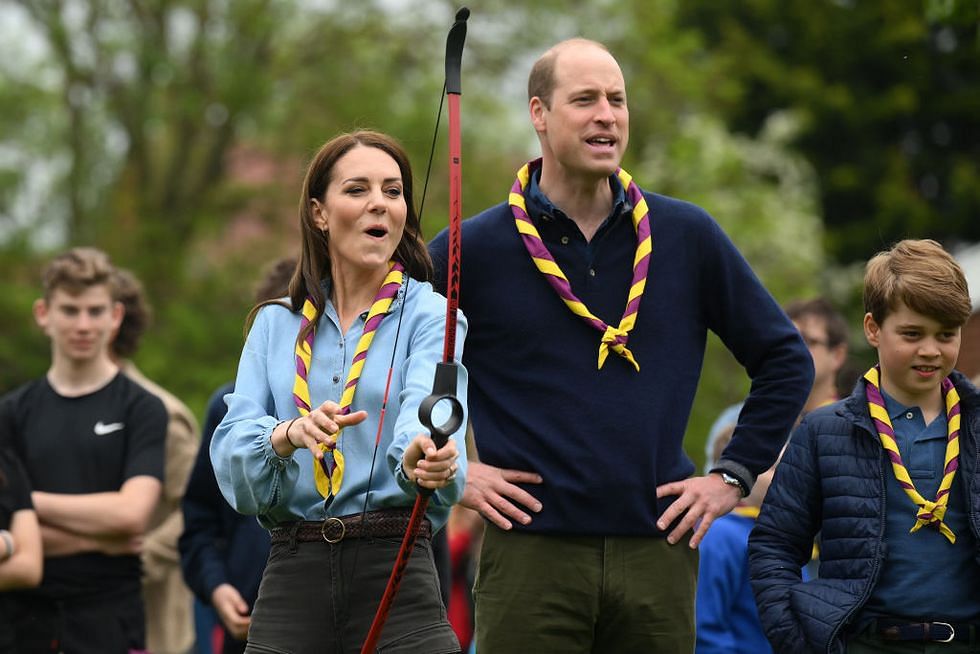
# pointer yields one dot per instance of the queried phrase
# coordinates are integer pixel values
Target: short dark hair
(541, 82)
(923, 276)
(820, 307)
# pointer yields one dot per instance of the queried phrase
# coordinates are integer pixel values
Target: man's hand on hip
(492, 492)
(703, 499)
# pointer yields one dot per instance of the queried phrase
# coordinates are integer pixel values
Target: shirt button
(336, 379)
(591, 272)
(564, 240)
(909, 415)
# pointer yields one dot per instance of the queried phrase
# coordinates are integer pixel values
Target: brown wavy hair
(313, 266)
(76, 270)
(922, 275)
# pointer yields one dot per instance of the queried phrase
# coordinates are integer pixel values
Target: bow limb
(444, 385)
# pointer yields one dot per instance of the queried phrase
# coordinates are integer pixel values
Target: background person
(92, 444)
(824, 331)
(727, 617)
(168, 601)
(21, 559)
(223, 552)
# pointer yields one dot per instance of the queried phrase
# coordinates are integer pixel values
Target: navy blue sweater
(603, 440)
(218, 545)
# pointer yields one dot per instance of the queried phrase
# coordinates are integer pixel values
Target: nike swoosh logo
(101, 429)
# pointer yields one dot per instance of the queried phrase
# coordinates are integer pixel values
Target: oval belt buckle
(343, 530)
(952, 632)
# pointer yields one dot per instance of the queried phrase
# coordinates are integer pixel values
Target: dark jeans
(105, 625)
(321, 598)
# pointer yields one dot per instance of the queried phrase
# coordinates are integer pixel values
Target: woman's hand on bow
(429, 466)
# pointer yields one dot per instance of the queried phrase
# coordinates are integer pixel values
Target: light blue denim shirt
(256, 481)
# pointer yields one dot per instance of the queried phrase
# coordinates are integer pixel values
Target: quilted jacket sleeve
(782, 540)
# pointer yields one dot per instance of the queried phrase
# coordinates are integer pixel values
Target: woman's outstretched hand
(320, 425)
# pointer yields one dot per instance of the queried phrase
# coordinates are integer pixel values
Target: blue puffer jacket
(832, 479)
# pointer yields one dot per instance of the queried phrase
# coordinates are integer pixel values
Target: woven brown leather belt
(390, 523)
(937, 632)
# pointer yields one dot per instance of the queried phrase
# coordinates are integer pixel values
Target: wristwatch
(732, 480)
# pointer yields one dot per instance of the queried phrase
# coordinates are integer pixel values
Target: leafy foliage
(888, 93)
(174, 134)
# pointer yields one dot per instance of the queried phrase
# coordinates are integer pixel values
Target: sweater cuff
(738, 471)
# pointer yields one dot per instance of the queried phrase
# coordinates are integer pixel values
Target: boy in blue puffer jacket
(889, 476)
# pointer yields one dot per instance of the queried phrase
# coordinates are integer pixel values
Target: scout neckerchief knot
(613, 337)
(930, 513)
(329, 473)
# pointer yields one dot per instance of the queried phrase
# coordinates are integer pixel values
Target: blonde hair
(923, 276)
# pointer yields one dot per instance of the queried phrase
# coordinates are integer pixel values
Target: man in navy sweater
(589, 303)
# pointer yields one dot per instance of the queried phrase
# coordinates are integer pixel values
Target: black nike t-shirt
(87, 444)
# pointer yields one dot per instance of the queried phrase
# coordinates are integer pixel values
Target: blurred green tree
(175, 134)
(888, 94)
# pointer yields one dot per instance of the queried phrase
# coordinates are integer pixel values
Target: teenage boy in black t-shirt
(92, 443)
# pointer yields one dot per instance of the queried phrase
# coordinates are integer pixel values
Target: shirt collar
(898, 413)
(396, 302)
(540, 208)
(894, 408)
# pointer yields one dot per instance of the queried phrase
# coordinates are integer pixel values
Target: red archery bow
(444, 385)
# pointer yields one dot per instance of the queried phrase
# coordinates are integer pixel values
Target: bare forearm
(22, 563)
(113, 514)
(22, 570)
(61, 542)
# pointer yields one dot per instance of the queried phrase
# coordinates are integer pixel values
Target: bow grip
(443, 390)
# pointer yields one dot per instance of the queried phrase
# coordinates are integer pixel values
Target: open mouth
(377, 232)
(601, 141)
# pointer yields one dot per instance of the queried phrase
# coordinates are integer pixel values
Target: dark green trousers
(588, 595)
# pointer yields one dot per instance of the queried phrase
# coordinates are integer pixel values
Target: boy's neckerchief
(930, 513)
(329, 471)
(612, 337)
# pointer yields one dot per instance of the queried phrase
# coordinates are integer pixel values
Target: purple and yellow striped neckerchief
(613, 337)
(930, 513)
(329, 473)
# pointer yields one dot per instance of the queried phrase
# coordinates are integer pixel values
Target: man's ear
(537, 110)
(40, 311)
(872, 331)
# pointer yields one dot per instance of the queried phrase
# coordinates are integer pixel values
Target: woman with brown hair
(306, 445)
